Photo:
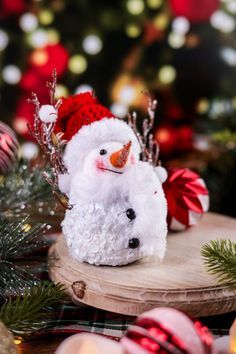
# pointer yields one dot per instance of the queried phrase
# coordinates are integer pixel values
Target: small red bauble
(187, 198)
(77, 111)
(194, 10)
(167, 331)
(45, 60)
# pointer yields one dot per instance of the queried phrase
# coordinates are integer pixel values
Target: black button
(134, 243)
(130, 214)
(103, 152)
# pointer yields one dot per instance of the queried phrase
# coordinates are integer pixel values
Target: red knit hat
(77, 111)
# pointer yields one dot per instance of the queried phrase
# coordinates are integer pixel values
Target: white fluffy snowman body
(119, 208)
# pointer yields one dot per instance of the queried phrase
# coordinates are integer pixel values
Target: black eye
(130, 213)
(134, 243)
(103, 152)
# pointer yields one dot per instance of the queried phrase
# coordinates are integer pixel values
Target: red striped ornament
(187, 198)
(9, 148)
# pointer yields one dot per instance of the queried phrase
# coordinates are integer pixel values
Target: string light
(28, 22)
(222, 21)
(11, 74)
(154, 4)
(203, 106)
(119, 109)
(26, 228)
(92, 44)
(231, 6)
(229, 56)
(176, 40)
(180, 25)
(39, 57)
(161, 21)
(20, 125)
(167, 74)
(135, 7)
(77, 64)
(4, 40)
(17, 340)
(61, 91)
(29, 151)
(38, 39)
(127, 94)
(46, 17)
(53, 36)
(83, 88)
(132, 30)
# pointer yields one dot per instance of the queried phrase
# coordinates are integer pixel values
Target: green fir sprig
(18, 242)
(24, 191)
(220, 259)
(34, 310)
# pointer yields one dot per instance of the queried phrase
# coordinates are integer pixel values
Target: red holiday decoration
(172, 138)
(187, 198)
(167, 331)
(76, 111)
(12, 8)
(194, 10)
(9, 148)
(44, 60)
(31, 82)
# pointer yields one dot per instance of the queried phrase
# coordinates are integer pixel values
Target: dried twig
(51, 144)
(148, 144)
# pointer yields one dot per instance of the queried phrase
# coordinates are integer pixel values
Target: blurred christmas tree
(182, 51)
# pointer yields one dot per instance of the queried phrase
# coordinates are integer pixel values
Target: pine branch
(34, 310)
(18, 240)
(25, 192)
(220, 260)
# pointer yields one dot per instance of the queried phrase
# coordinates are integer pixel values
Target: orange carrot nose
(119, 158)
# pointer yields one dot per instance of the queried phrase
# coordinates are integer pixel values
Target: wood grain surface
(180, 281)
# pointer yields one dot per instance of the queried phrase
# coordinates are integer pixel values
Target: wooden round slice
(180, 281)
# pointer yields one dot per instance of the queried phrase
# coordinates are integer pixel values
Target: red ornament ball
(171, 138)
(167, 331)
(77, 111)
(187, 198)
(9, 148)
(194, 10)
(44, 60)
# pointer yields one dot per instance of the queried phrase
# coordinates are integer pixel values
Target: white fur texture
(98, 232)
(47, 113)
(97, 229)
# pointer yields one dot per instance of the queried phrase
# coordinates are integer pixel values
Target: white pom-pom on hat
(162, 173)
(47, 113)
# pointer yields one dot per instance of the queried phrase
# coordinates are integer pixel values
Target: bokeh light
(11, 74)
(77, 64)
(119, 109)
(92, 44)
(28, 22)
(133, 30)
(222, 21)
(38, 39)
(135, 7)
(83, 88)
(180, 25)
(167, 74)
(46, 17)
(4, 40)
(176, 40)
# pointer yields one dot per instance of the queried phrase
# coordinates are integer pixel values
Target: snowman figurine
(118, 207)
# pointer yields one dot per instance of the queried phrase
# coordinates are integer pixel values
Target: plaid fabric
(76, 319)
